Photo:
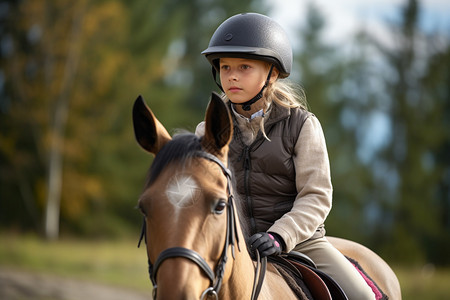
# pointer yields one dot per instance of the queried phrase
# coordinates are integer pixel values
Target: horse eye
(220, 207)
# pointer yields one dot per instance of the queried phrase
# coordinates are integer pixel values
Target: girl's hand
(266, 243)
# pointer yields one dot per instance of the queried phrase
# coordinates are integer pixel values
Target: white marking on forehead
(182, 191)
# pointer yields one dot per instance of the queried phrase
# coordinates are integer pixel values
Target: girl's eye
(245, 67)
(224, 67)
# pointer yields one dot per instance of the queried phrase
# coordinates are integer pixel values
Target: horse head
(187, 231)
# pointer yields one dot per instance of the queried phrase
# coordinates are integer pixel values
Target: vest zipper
(248, 198)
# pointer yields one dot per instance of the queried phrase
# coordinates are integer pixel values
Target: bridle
(231, 239)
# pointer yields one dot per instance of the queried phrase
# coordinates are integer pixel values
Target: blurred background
(376, 74)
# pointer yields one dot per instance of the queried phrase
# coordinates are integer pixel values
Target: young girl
(278, 153)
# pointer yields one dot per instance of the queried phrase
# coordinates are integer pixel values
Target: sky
(345, 17)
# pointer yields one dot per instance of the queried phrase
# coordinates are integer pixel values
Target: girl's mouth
(234, 89)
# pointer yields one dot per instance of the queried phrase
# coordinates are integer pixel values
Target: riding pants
(329, 260)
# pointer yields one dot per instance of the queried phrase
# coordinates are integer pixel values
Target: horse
(195, 241)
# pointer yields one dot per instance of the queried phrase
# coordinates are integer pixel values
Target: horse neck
(242, 271)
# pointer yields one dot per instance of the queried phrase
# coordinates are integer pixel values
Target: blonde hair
(285, 93)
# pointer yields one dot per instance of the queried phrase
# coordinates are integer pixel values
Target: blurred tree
(42, 90)
(384, 110)
(417, 89)
(436, 81)
(330, 79)
(69, 72)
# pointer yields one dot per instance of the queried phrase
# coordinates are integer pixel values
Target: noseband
(230, 239)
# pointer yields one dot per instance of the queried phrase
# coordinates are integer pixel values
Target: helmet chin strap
(247, 105)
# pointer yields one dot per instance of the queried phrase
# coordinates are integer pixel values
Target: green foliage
(325, 73)
(70, 73)
(417, 116)
(396, 190)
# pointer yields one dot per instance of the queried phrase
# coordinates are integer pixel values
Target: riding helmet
(252, 36)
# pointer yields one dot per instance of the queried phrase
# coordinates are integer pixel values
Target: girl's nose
(232, 76)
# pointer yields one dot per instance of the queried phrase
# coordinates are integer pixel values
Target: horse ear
(218, 126)
(149, 132)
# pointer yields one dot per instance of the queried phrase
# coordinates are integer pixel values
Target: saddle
(303, 270)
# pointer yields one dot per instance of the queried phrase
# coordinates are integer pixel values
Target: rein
(231, 239)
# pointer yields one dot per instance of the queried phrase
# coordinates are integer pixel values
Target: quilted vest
(264, 171)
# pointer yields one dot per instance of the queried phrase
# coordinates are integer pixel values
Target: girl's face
(242, 79)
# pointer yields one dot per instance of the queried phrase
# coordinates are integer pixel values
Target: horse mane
(181, 148)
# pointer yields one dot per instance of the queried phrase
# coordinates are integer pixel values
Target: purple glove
(266, 243)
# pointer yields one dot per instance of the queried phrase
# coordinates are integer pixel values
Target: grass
(121, 263)
(427, 282)
(118, 263)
